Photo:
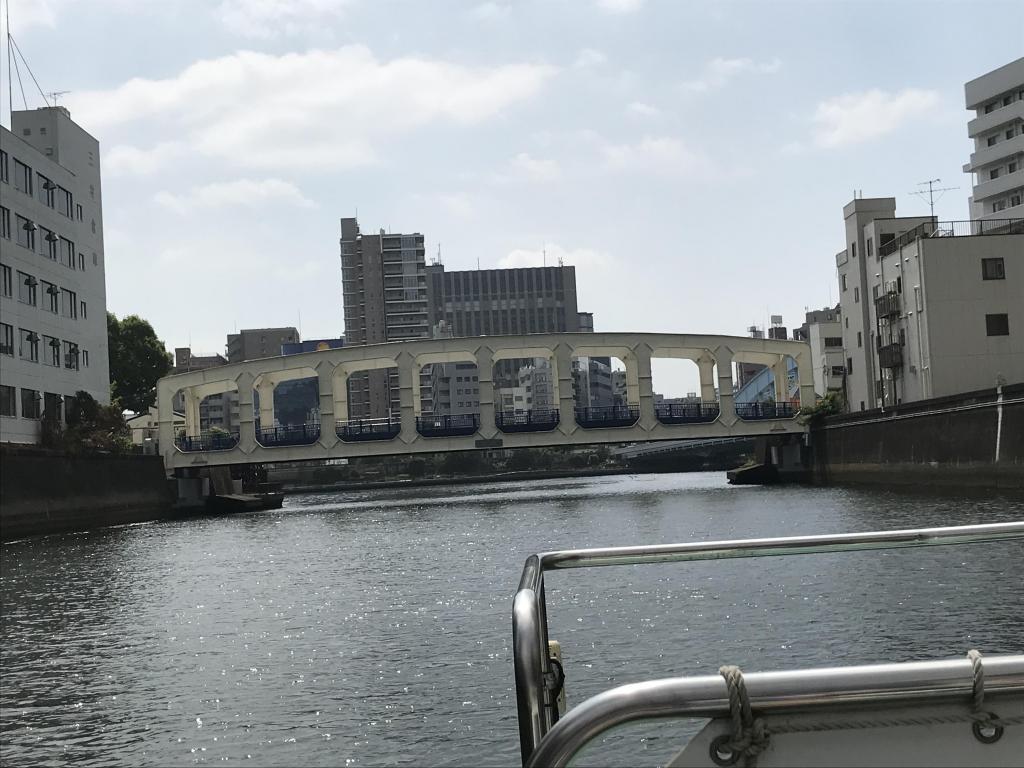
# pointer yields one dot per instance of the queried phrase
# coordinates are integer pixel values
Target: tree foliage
(137, 360)
(830, 405)
(90, 427)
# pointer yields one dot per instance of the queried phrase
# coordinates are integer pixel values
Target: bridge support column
(407, 410)
(266, 393)
(246, 416)
(165, 410)
(566, 401)
(805, 375)
(706, 370)
(780, 375)
(485, 377)
(726, 403)
(193, 424)
(645, 388)
(325, 387)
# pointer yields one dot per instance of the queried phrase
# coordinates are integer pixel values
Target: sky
(691, 159)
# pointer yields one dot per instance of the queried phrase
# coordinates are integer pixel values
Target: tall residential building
(384, 294)
(928, 308)
(53, 303)
(997, 129)
(254, 343)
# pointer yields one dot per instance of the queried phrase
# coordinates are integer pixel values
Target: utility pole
(932, 189)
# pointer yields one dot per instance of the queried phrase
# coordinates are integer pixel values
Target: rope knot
(749, 734)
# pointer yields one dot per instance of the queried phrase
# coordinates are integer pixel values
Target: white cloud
(620, 6)
(719, 71)
(239, 193)
(457, 204)
(640, 109)
(125, 160)
(589, 57)
(273, 18)
(551, 253)
(662, 155)
(322, 109)
(535, 169)
(856, 117)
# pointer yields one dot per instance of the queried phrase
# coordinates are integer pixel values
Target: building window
(4, 168)
(51, 351)
(78, 211)
(6, 339)
(991, 107)
(833, 341)
(1011, 168)
(842, 281)
(84, 313)
(993, 269)
(849, 366)
(997, 325)
(998, 206)
(6, 280)
(85, 357)
(51, 297)
(1014, 200)
(860, 339)
(29, 404)
(67, 253)
(992, 141)
(64, 203)
(26, 233)
(29, 346)
(81, 262)
(45, 189)
(853, 250)
(871, 246)
(5, 223)
(856, 294)
(22, 177)
(7, 401)
(70, 355)
(994, 173)
(48, 241)
(27, 289)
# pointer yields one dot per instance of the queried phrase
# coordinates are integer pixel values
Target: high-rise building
(997, 129)
(254, 343)
(53, 334)
(384, 294)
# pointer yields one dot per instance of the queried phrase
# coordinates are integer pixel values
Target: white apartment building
(53, 304)
(997, 163)
(823, 330)
(928, 308)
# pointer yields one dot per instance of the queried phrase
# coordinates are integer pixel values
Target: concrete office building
(928, 308)
(823, 330)
(997, 163)
(254, 343)
(384, 294)
(53, 303)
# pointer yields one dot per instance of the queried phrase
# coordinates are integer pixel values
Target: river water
(373, 628)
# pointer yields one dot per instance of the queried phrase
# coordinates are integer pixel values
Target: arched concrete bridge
(409, 432)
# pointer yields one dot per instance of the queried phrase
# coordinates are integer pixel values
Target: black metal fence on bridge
(360, 430)
(766, 410)
(540, 420)
(448, 425)
(608, 416)
(208, 441)
(297, 434)
(686, 413)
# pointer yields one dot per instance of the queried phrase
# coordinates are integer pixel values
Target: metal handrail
(770, 692)
(536, 707)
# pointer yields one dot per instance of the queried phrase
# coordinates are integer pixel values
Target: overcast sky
(691, 159)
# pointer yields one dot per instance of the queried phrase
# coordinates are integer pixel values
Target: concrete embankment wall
(47, 492)
(949, 441)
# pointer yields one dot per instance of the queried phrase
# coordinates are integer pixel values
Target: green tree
(137, 360)
(90, 427)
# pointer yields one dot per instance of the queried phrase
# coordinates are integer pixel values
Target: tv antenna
(55, 95)
(932, 189)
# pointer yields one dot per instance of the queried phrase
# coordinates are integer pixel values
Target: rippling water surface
(374, 628)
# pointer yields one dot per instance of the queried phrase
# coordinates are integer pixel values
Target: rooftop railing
(953, 229)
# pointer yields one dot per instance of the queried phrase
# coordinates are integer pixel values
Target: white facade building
(823, 330)
(997, 129)
(53, 304)
(928, 308)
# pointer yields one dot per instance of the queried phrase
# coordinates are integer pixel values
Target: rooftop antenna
(931, 193)
(55, 95)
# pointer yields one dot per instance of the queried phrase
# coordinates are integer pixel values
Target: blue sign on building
(311, 345)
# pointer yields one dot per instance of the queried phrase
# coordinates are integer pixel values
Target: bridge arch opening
(606, 388)
(525, 386)
(367, 400)
(446, 394)
(210, 412)
(766, 386)
(286, 407)
(684, 384)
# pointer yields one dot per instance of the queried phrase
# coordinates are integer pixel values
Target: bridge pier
(726, 401)
(706, 371)
(645, 386)
(328, 418)
(246, 415)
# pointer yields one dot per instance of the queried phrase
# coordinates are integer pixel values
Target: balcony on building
(766, 409)
(448, 425)
(890, 356)
(608, 416)
(539, 420)
(977, 228)
(686, 413)
(297, 434)
(361, 430)
(888, 305)
(213, 440)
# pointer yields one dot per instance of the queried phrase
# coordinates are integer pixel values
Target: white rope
(749, 735)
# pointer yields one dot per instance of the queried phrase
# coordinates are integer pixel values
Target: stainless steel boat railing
(536, 687)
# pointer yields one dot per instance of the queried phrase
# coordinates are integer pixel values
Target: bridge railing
(298, 434)
(539, 420)
(608, 416)
(761, 410)
(448, 425)
(686, 413)
(360, 430)
(206, 441)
